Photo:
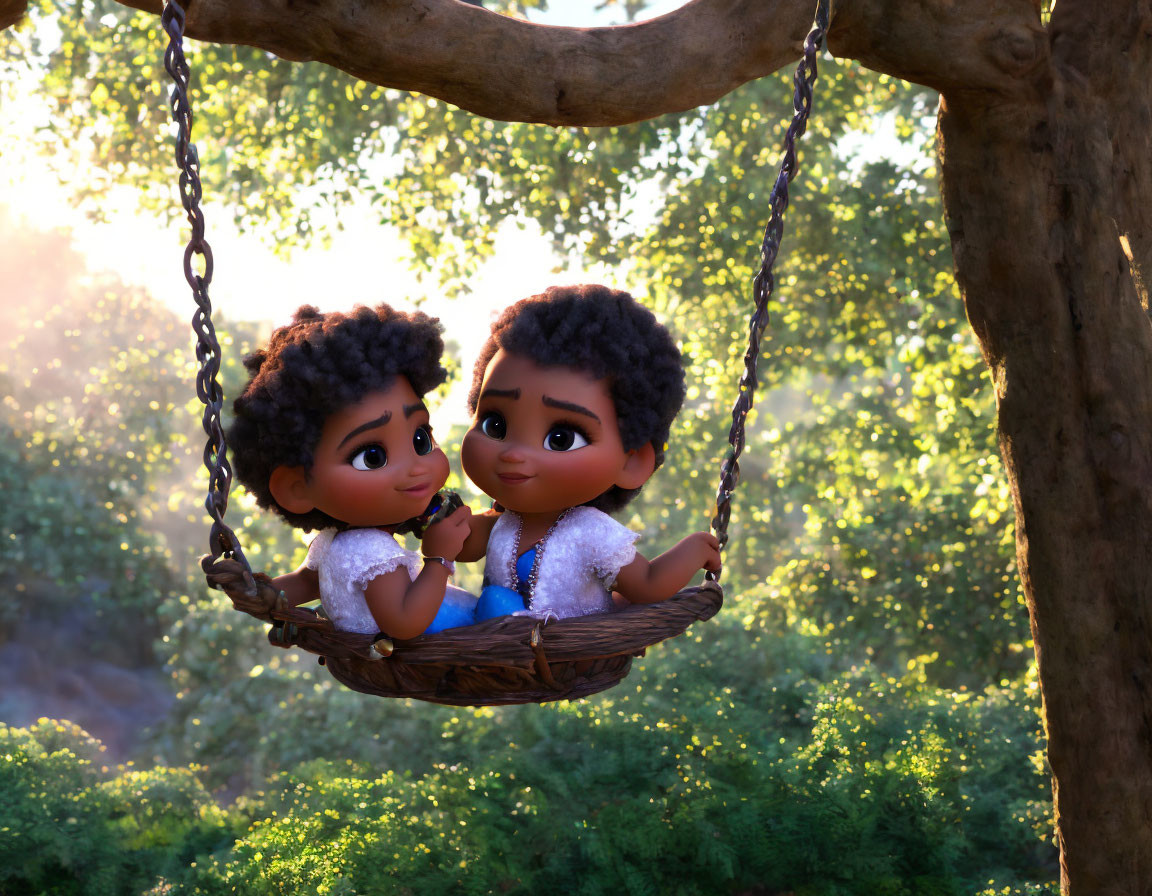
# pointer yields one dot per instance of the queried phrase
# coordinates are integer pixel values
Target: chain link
(764, 283)
(222, 541)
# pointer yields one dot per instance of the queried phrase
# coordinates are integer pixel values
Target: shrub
(72, 826)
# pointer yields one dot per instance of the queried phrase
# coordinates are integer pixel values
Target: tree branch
(984, 45)
(507, 69)
(11, 12)
(511, 70)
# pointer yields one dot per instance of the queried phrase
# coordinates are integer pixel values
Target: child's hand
(446, 538)
(707, 547)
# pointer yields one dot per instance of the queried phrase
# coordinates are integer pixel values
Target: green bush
(891, 787)
(69, 825)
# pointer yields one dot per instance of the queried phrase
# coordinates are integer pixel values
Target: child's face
(543, 438)
(376, 463)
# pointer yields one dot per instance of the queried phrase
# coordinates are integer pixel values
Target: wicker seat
(512, 659)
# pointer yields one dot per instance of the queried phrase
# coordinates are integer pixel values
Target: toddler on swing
(573, 397)
(332, 433)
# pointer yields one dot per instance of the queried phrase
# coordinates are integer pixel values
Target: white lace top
(346, 562)
(582, 558)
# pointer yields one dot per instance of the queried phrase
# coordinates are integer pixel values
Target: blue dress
(496, 600)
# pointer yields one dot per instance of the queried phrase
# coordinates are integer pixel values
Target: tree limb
(11, 12)
(507, 69)
(997, 46)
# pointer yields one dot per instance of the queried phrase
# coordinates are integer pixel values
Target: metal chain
(222, 541)
(765, 281)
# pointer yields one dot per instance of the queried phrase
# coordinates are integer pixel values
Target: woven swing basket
(512, 659)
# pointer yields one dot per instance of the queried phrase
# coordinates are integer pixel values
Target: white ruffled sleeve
(318, 548)
(612, 547)
(360, 555)
(345, 563)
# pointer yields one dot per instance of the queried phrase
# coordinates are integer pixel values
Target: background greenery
(862, 717)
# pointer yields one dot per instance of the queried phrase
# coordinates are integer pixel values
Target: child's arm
(404, 607)
(299, 587)
(648, 582)
(476, 545)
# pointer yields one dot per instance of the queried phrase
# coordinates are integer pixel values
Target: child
(331, 433)
(573, 397)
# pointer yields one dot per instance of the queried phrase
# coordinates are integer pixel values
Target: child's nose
(512, 453)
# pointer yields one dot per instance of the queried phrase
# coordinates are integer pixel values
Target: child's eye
(372, 457)
(494, 426)
(564, 438)
(422, 440)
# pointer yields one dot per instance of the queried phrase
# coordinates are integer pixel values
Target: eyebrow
(410, 409)
(501, 393)
(364, 427)
(570, 406)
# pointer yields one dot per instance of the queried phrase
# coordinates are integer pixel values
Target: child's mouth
(512, 478)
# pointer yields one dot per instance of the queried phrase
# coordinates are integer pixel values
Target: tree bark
(510, 70)
(11, 12)
(1047, 181)
(1046, 187)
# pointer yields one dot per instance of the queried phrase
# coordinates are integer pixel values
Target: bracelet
(448, 564)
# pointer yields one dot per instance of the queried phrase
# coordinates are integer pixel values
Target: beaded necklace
(534, 574)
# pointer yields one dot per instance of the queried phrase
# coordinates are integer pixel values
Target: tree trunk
(1047, 189)
(1045, 147)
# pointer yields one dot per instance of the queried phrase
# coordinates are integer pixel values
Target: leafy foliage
(705, 782)
(874, 795)
(91, 433)
(72, 826)
(259, 116)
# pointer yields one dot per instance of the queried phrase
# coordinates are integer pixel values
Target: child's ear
(289, 487)
(639, 466)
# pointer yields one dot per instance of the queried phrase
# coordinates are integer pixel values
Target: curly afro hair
(314, 366)
(608, 334)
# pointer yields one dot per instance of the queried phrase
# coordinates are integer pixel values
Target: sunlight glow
(364, 263)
